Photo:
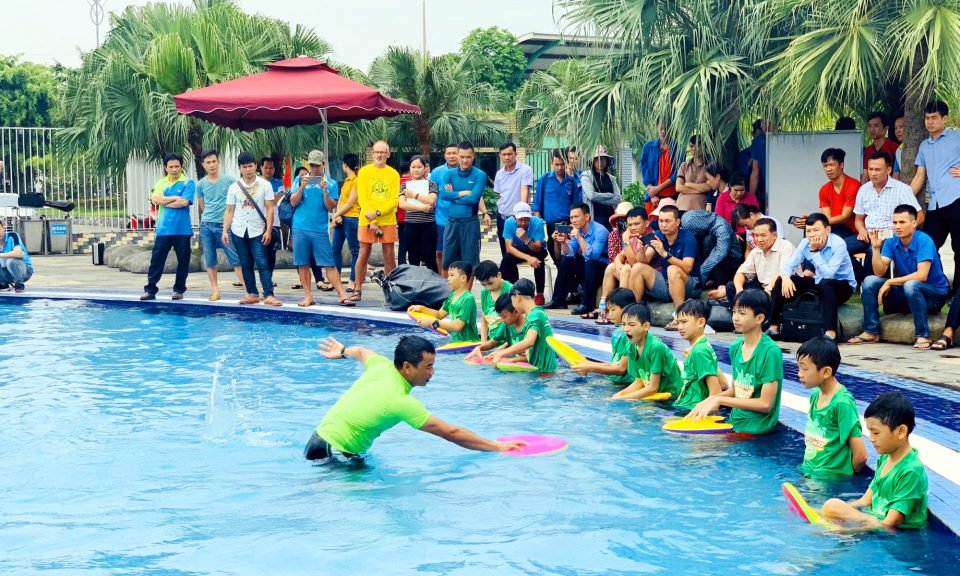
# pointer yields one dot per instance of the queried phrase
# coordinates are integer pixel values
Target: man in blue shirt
(833, 279)
(442, 207)
(679, 276)
(556, 192)
(938, 166)
(524, 236)
(211, 203)
(722, 255)
(463, 189)
(758, 163)
(173, 194)
(584, 260)
(15, 265)
(658, 184)
(920, 284)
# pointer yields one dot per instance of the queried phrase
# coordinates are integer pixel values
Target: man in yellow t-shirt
(378, 193)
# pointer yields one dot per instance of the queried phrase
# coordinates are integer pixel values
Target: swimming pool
(158, 441)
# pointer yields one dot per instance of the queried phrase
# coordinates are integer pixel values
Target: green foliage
(454, 106)
(505, 59)
(490, 198)
(634, 193)
(28, 93)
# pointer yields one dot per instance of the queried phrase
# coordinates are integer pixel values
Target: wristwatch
(379, 214)
(436, 325)
(343, 353)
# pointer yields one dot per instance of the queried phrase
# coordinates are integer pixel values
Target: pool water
(162, 442)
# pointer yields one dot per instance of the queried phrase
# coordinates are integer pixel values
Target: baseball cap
(522, 210)
(316, 157)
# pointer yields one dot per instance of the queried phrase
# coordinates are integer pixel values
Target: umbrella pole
(326, 140)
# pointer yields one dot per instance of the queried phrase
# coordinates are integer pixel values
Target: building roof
(542, 50)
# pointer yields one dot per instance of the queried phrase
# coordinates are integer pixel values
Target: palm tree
(121, 103)
(454, 106)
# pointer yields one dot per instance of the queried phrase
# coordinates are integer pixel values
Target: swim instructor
(380, 399)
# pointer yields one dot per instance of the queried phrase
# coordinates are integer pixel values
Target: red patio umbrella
(295, 92)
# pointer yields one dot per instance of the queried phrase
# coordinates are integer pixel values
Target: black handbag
(804, 318)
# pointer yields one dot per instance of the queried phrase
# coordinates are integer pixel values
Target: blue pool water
(152, 441)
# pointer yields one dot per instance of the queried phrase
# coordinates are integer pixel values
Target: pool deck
(934, 388)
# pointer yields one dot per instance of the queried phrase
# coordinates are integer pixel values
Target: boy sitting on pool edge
(507, 333)
(757, 368)
(492, 286)
(536, 329)
(897, 496)
(459, 306)
(652, 365)
(616, 368)
(701, 374)
(833, 435)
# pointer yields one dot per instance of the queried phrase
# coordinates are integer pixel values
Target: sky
(48, 31)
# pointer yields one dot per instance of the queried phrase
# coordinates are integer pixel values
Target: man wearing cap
(524, 236)
(512, 183)
(313, 202)
(584, 260)
(378, 192)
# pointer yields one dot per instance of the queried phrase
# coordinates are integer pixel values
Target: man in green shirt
(535, 331)
(460, 307)
(897, 497)
(701, 374)
(651, 364)
(380, 399)
(757, 370)
(833, 436)
(492, 287)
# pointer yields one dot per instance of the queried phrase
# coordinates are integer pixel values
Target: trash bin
(32, 232)
(59, 235)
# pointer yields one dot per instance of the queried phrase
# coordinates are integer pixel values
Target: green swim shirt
(621, 348)
(505, 334)
(765, 365)
(463, 308)
(489, 306)
(701, 363)
(828, 455)
(377, 401)
(904, 488)
(541, 354)
(656, 358)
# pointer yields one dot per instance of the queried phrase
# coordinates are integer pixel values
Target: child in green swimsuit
(536, 329)
(460, 307)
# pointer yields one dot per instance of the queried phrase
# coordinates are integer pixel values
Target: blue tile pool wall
(938, 409)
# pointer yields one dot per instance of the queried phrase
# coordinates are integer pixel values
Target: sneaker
(148, 296)
(538, 300)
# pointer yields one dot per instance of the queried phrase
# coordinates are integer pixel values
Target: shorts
(389, 236)
(315, 244)
(440, 238)
(317, 449)
(211, 238)
(661, 289)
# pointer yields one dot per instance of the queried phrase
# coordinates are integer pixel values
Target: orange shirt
(836, 202)
(666, 170)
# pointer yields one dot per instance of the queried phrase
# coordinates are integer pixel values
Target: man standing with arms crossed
(212, 202)
(378, 187)
(173, 194)
(463, 188)
(442, 207)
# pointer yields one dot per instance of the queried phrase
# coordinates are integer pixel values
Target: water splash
(221, 416)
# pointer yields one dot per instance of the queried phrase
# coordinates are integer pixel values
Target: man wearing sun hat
(524, 237)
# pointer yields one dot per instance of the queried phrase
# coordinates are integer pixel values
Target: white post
(326, 139)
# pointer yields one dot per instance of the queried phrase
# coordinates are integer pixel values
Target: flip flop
(590, 315)
(356, 296)
(238, 284)
(274, 303)
(857, 340)
(324, 287)
(942, 343)
(349, 290)
(926, 344)
(347, 302)
(605, 322)
(672, 326)
(297, 287)
(214, 298)
(253, 300)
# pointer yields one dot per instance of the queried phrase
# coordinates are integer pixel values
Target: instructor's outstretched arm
(467, 439)
(333, 350)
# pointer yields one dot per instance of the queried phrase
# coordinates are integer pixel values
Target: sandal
(297, 287)
(214, 298)
(324, 286)
(347, 302)
(605, 322)
(250, 300)
(356, 296)
(922, 344)
(238, 284)
(942, 343)
(590, 315)
(349, 290)
(857, 340)
(672, 326)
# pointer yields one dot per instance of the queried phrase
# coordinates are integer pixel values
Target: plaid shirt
(702, 223)
(878, 208)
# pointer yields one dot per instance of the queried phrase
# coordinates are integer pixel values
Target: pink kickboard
(475, 361)
(536, 445)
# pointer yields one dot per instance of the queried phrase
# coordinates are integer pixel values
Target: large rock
(661, 313)
(124, 264)
(140, 263)
(851, 321)
(376, 256)
(899, 327)
(114, 254)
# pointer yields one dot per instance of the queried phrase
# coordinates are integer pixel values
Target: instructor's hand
(331, 349)
(511, 445)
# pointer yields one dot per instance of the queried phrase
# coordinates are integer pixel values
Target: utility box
(32, 232)
(59, 235)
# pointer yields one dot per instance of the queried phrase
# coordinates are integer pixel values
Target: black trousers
(401, 239)
(555, 253)
(180, 245)
(724, 272)
(574, 271)
(833, 293)
(510, 272)
(953, 316)
(752, 284)
(941, 222)
(503, 245)
(421, 244)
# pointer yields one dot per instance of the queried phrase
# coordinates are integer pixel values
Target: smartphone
(885, 234)
(564, 229)
(647, 238)
(793, 220)
(314, 180)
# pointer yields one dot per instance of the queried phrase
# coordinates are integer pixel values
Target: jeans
(211, 238)
(914, 296)
(252, 251)
(161, 248)
(510, 272)
(574, 271)
(833, 293)
(347, 232)
(14, 271)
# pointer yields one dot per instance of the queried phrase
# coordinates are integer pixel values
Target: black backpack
(804, 318)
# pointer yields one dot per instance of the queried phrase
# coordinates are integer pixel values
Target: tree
(506, 61)
(454, 105)
(120, 104)
(28, 94)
